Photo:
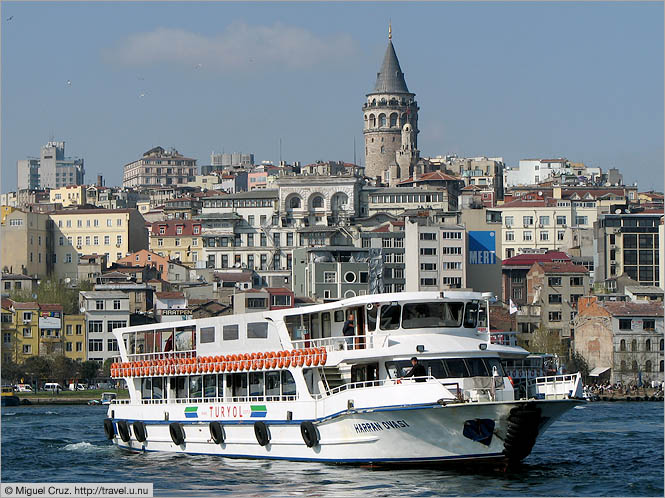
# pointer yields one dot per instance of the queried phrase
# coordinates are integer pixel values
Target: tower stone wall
(386, 110)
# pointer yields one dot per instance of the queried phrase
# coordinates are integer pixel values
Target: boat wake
(83, 446)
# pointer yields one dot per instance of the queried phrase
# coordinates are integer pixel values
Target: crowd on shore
(653, 388)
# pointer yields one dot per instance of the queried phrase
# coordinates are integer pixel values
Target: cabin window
(272, 384)
(288, 384)
(371, 317)
(256, 384)
(339, 316)
(430, 315)
(181, 387)
(195, 386)
(471, 315)
(456, 368)
(146, 388)
(363, 373)
(325, 324)
(390, 316)
(207, 334)
(258, 330)
(157, 388)
(220, 386)
(239, 385)
(209, 386)
(230, 332)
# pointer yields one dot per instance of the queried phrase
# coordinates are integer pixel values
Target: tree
(54, 291)
(12, 372)
(545, 341)
(106, 368)
(89, 370)
(64, 369)
(38, 368)
(578, 363)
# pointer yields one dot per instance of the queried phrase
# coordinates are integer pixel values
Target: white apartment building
(104, 311)
(543, 224)
(534, 171)
(435, 256)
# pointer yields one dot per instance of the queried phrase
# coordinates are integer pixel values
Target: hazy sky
(517, 80)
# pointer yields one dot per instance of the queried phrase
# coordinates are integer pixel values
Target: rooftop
(627, 308)
(529, 259)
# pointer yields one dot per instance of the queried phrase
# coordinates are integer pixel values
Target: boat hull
(433, 433)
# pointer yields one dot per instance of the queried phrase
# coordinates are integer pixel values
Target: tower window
(383, 149)
(382, 120)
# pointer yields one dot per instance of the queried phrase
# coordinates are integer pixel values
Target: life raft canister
(262, 433)
(177, 433)
(310, 434)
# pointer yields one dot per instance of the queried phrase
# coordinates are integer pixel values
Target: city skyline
(242, 77)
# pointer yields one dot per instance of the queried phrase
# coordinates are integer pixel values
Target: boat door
(360, 327)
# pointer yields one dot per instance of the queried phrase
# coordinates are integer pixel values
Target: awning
(598, 371)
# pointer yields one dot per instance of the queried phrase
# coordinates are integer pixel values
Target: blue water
(599, 449)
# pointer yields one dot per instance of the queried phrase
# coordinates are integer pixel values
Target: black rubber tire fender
(139, 431)
(109, 430)
(177, 433)
(262, 433)
(310, 433)
(123, 431)
(217, 432)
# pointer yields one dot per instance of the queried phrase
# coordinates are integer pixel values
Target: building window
(79, 329)
(27, 316)
(509, 220)
(79, 346)
(527, 220)
(544, 236)
(116, 304)
(68, 347)
(95, 345)
(560, 220)
(554, 281)
(633, 345)
(95, 326)
(649, 324)
(625, 324)
(280, 300)
(544, 220)
(622, 346)
(428, 251)
(576, 281)
(27, 332)
(428, 236)
(555, 316)
(581, 220)
(554, 299)
(510, 236)
(330, 277)
(27, 349)
(527, 235)
(428, 281)
(112, 345)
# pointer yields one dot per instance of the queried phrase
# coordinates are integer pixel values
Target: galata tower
(388, 108)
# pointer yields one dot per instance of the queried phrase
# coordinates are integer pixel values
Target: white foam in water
(50, 413)
(82, 446)
(580, 407)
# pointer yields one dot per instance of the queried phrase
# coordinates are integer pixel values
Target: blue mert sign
(482, 247)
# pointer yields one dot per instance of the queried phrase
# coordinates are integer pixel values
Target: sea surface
(598, 449)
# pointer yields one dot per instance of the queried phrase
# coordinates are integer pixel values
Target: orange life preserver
(280, 362)
(287, 361)
(273, 363)
(308, 358)
(324, 356)
(247, 363)
(301, 358)
(317, 358)
(217, 367)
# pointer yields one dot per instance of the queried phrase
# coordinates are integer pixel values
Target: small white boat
(106, 399)
(249, 386)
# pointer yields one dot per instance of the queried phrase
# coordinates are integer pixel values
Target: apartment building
(12, 282)
(104, 311)
(629, 243)
(622, 340)
(27, 243)
(159, 167)
(388, 238)
(51, 170)
(71, 195)
(543, 224)
(75, 337)
(557, 288)
(179, 240)
(435, 255)
(396, 200)
(514, 273)
(112, 232)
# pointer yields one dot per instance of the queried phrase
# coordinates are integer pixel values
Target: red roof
(50, 307)
(565, 267)
(7, 303)
(386, 226)
(169, 295)
(25, 306)
(530, 259)
(170, 228)
(430, 177)
(646, 308)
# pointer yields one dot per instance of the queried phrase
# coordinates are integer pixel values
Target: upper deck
(454, 320)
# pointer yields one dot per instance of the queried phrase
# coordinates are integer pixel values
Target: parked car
(52, 387)
(24, 388)
(76, 387)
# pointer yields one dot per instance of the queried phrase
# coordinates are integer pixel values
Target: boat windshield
(449, 367)
(430, 315)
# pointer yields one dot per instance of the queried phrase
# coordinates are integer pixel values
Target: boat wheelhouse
(288, 384)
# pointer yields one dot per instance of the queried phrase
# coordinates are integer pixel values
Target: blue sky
(517, 80)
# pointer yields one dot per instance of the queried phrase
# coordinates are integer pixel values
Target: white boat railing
(227, 399)
(555, 386)
(339, 342)
(369, 384)
(161, 355)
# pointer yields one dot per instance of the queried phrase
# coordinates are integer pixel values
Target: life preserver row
(216, 364)
(515, 373)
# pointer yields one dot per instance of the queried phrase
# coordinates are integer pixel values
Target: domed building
(390, 123)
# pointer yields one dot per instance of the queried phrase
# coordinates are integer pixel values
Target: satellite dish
(67, 280)
(540, 192)
(617, 211)
(82, 309)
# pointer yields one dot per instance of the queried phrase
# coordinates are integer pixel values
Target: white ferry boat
(287, 384)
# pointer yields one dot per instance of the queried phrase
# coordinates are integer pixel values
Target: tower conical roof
(390, 78)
